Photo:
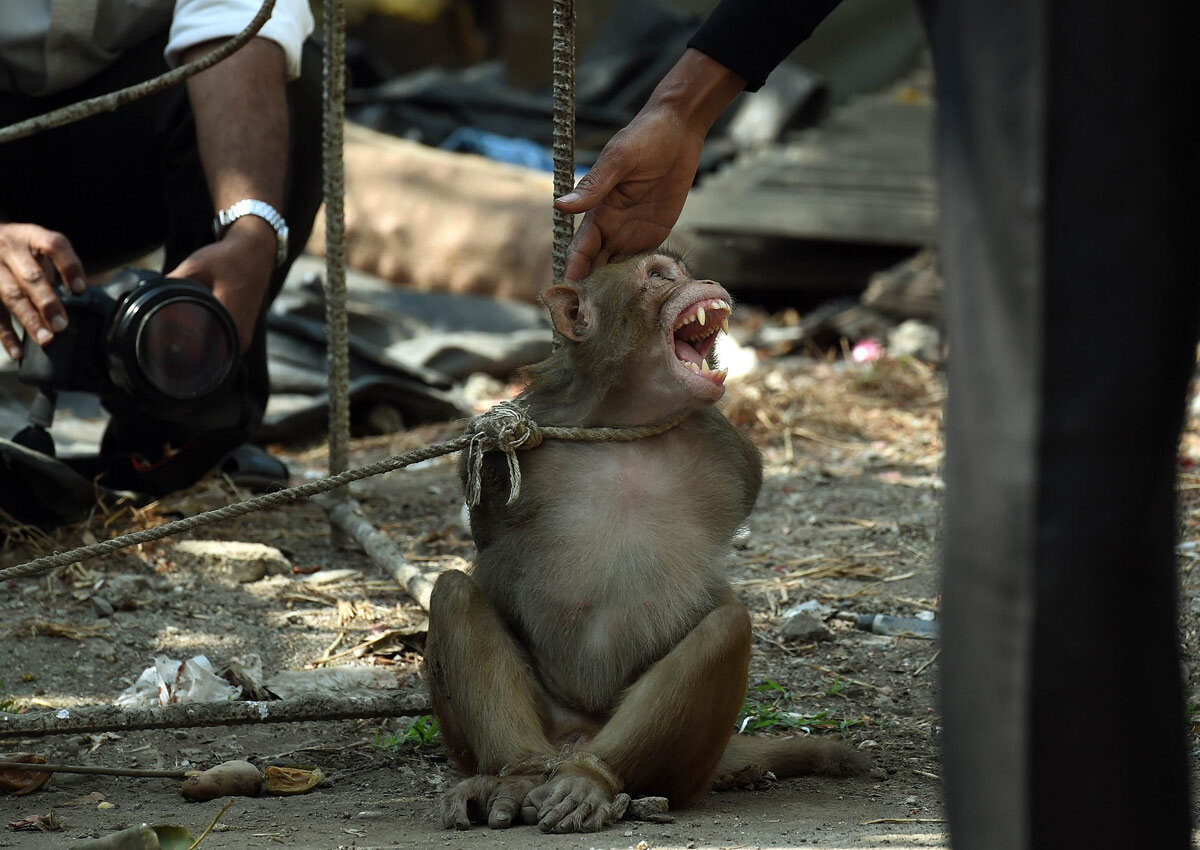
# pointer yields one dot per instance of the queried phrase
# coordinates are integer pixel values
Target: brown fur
(597, 642)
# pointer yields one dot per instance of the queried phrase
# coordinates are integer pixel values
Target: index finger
(57, 249)
(581, 253)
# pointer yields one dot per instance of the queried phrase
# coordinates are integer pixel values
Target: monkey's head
(641, 334)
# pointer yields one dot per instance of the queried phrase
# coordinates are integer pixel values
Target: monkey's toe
(501, 811)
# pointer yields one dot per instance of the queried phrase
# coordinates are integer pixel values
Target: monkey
(596, 648)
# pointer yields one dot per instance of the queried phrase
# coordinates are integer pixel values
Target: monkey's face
(641, 332)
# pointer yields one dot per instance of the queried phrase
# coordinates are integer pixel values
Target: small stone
(878, 774)
(805, 628)
(644, 807)
(240, 561)
(369, 814)
(102, 606)
(910, 800)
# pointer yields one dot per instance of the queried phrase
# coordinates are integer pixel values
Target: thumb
(601, 178)
(193, 270)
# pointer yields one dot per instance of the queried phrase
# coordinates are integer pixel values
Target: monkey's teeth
(725, 324)
(700, 314)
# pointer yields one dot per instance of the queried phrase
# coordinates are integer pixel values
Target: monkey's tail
(747, 759)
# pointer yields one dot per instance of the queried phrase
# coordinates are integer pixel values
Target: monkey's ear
(569, 311)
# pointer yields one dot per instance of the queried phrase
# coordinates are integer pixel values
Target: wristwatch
(250, 206)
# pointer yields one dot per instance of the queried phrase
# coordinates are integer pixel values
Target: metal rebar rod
(336, 329)
(564, 126)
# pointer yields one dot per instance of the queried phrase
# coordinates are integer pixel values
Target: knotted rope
(506, 428)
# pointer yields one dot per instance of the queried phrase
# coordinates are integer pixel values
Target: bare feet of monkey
(492, 798)
(573, 803)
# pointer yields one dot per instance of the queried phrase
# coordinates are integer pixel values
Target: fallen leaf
(21, 782)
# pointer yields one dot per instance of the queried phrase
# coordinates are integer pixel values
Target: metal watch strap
(250, 206)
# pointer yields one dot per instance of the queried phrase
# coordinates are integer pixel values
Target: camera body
(164, 349)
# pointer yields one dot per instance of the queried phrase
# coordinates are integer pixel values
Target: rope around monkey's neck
(506, 428)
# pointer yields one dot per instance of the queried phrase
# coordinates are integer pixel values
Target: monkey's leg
(489, 705)
(666, 736)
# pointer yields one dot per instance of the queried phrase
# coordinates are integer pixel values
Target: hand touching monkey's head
(643, 330)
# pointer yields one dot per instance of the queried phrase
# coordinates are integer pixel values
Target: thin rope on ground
(108, 102)
(563, 142)
(495, 430)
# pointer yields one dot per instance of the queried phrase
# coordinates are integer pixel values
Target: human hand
(634, 193)
(237, 269)
(29, 255)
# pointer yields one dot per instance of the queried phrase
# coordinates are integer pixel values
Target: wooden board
(863, 176)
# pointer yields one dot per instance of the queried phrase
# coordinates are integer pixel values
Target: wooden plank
(865, 176)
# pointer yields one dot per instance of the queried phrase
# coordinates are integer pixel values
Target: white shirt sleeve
(197, 21)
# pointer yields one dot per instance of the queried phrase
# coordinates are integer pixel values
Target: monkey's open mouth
(694, 333)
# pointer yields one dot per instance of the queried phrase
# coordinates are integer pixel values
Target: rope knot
(506, 428)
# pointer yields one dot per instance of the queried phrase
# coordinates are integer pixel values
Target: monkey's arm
(669, 731)
(488, 704)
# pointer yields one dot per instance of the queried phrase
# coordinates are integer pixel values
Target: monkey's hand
(495, 797)
(584, 795)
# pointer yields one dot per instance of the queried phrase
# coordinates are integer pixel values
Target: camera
(161, 349)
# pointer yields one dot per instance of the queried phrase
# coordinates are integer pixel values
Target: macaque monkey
(596, 649)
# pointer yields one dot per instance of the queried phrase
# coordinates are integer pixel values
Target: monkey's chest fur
(613, 554)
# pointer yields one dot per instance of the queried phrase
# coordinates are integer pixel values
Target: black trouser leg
(122, 183)
(1068, 171)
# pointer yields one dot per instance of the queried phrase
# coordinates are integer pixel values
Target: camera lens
(184, 349)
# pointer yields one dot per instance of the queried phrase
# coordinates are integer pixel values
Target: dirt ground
(849, 516)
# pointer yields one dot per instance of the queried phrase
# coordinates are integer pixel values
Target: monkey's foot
(494, 798)
(573, 802)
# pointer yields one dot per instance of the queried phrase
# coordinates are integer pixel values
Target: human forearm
(240, 107)
(241, 113)
(697, 89)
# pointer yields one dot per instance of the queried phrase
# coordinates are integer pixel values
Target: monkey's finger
(454, 811)
(501, 811)
(558, 792)
(529, 813)
(550, 822)
(574, 822)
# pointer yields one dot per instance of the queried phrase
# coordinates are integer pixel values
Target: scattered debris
(170, 681)
(246, 672)
(914, 338)
(39, 823)
(883, 624)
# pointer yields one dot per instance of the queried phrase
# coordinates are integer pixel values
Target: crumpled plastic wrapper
(170, 681)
